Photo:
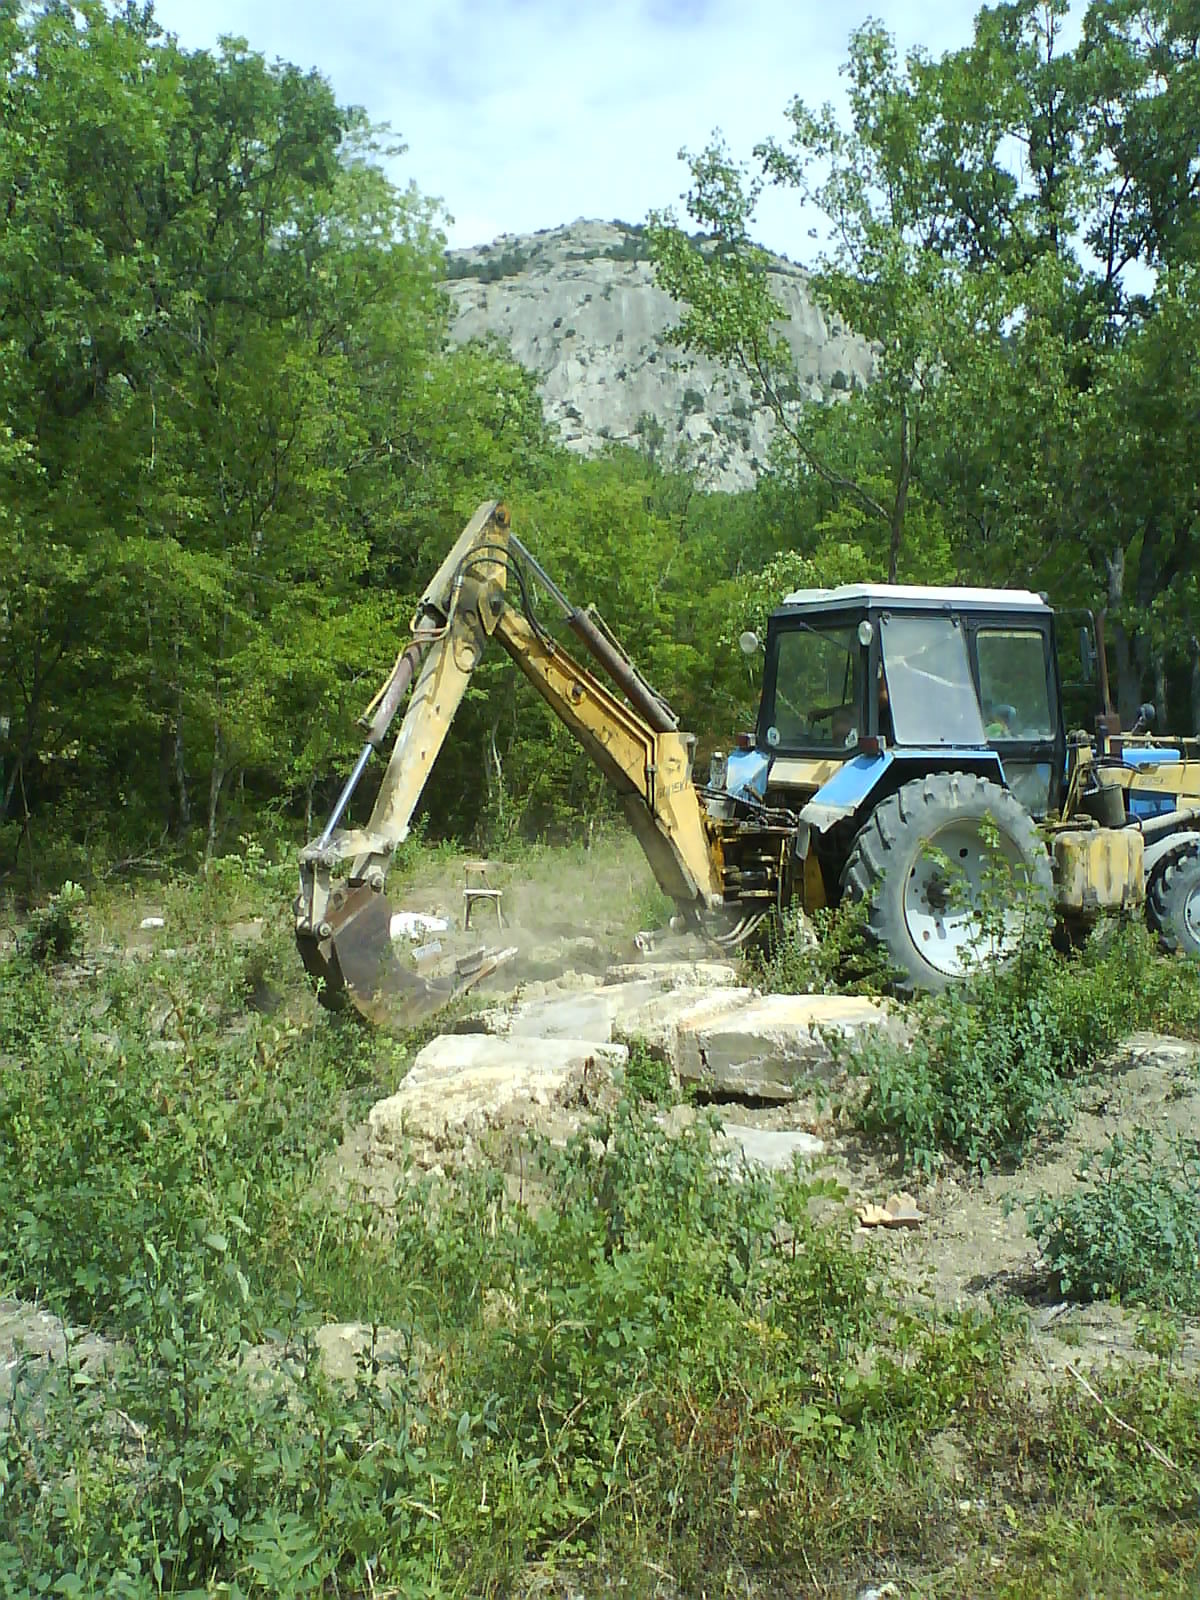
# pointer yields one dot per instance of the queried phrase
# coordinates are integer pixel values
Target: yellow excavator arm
(343, 921)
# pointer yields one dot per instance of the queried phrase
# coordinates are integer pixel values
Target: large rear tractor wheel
(1173, 903)
(952, 868)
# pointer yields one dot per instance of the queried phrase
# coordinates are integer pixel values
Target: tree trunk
(1127, 687)
(215, 783)
(900, 504)
(1196, 687)
(181, 787)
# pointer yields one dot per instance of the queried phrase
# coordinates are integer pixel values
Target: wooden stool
(477, 887)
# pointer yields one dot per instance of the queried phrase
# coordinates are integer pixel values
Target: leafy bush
(647, 1077)
(992, 1061)
(1131, 1230)
(829, 953)
(53, 932)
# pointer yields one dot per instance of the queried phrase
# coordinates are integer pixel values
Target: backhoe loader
(908, 740)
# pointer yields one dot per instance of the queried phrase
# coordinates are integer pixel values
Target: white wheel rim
(942, 899)
(1191, 916)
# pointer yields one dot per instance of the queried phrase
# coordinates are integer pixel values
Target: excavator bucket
(357, 968)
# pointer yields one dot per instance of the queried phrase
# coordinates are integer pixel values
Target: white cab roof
(882, 594)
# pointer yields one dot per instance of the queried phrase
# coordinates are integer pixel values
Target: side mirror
(1087, 655)
(749, 642)
(1145, 718)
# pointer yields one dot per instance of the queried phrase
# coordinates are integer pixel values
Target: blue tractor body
(899, 723)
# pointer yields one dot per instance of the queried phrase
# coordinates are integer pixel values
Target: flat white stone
(657, 1021)
(415, 925)
(582, 1014)
(772, 1148)
(464, 1082)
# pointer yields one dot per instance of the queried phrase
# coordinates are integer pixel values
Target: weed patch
(1131, 1229)
(668, 1363)
(831, 953)
(993, 1062)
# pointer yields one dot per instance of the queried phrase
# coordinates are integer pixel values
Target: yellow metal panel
(1099, 869)
(814, 884)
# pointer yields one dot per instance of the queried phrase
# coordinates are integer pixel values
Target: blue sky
(523, 114)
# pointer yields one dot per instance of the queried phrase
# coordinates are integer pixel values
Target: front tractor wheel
(926, 862)
(1173, 903)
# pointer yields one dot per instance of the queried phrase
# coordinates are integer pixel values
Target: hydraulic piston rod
(385, 710)
(614, 660)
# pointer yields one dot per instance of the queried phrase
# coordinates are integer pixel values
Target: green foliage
(648, 1077)
(830, 954)
(1131, 1230)
(648, 1356)
(1034, 311)
(992, 1062)
(506, 265)
(53, 932)
(521, 1368)
(223, 365)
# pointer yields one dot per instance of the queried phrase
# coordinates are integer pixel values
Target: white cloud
(522, 114)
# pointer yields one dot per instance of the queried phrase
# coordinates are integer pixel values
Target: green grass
(667, 1367)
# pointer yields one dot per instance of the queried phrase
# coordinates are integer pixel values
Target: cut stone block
(656, 1022)
(464, 1082)
(675, 974)
(764, 1047)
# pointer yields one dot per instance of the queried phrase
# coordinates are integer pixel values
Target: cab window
(818, 682)
(931, 695)
(1013, 683)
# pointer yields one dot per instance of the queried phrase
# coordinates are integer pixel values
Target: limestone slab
(582, 1014)
(462, 1083)
(675, 974)
(765, 1047)
(657, 1021)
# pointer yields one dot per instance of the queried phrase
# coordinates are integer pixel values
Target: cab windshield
(932, 695)
(817, 689)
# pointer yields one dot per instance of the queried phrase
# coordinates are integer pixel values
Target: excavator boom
(342, 916)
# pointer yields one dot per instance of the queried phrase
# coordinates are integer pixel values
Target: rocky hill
(578, 306)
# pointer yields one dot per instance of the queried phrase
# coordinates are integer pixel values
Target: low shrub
(992, 1062)
(1131, 1229)
(53, 932)
(829, 953)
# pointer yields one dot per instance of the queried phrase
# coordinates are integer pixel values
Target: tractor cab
(939, 678)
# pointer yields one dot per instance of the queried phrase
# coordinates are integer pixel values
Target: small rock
(35, 1347)
(151, 922)
(772, 1148)
(901, 1211)
(415, 925)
